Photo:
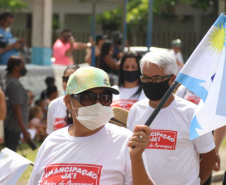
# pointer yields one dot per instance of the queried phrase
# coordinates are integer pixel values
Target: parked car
(142, 49)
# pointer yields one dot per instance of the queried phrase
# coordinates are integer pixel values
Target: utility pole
(93, 62)
(221, 6)
(124, 23)
(150, 21)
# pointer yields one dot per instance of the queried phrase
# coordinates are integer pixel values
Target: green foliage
(137, 11)
(224, 143)
(12, 5)
(55, 23)
(202, 4)
(110, 20)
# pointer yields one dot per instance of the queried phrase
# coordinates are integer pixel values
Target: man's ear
(172, 79)
(67, 101)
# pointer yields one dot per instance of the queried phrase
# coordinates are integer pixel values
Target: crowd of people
(77, 122)
(79, 142)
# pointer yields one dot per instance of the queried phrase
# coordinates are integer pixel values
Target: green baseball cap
(176, 43)
(86, 78)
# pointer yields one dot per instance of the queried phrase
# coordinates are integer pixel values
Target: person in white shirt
(186, 94)
(176, 51)
(172, 158)
(129, 84)
(91, 150)
(57, 109)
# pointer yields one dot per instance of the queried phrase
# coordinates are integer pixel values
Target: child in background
(35, 122)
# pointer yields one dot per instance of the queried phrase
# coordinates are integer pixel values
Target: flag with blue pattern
(205, 74)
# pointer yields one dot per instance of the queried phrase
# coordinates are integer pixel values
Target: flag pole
(150, 20)
(124, 23)
(93, 28)
(161, 103)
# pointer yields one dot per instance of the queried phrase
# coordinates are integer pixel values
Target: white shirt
(185, 93)
(178, 56)
(125, 98)
(99, 159)
(56, 114)
(172, 157)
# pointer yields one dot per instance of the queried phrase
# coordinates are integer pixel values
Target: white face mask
(93, 116)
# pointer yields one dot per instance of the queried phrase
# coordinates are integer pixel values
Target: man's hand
(91, 41)
(217, 164)
(71, 40)
(26, 136)
(16, 45)
(139, 141)
(208, 160)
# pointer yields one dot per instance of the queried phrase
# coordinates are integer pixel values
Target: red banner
(163, 139)
(68, 174)
(59, 123)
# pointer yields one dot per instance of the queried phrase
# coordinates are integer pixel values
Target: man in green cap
(176, 51)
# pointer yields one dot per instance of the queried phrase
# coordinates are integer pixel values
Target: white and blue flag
(205, 74)
(12, 166)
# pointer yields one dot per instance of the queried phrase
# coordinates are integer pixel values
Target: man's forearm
(7, 48)
(88, 56)
(80, 45)
(140, 176)
(207, 163)
(219, 135)
(2, 106)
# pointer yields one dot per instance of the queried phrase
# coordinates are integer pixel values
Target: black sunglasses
(155, 79)
(65, 78)
(90, 98)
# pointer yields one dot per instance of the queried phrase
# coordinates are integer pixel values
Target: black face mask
(23, 71)
(131, 76)
(155, 91)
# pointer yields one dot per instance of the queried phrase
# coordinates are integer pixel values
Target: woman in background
(129, 84)
(57, 109)
(107, 62)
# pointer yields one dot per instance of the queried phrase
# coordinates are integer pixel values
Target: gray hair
(161, 58)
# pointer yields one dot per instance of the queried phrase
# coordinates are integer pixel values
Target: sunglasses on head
(65, 78)
(90, 98)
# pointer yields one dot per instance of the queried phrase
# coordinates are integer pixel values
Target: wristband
(89, 44)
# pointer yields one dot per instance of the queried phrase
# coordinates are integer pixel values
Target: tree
(137, 11)
(11, 5)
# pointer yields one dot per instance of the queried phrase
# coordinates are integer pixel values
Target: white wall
(72, 13)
